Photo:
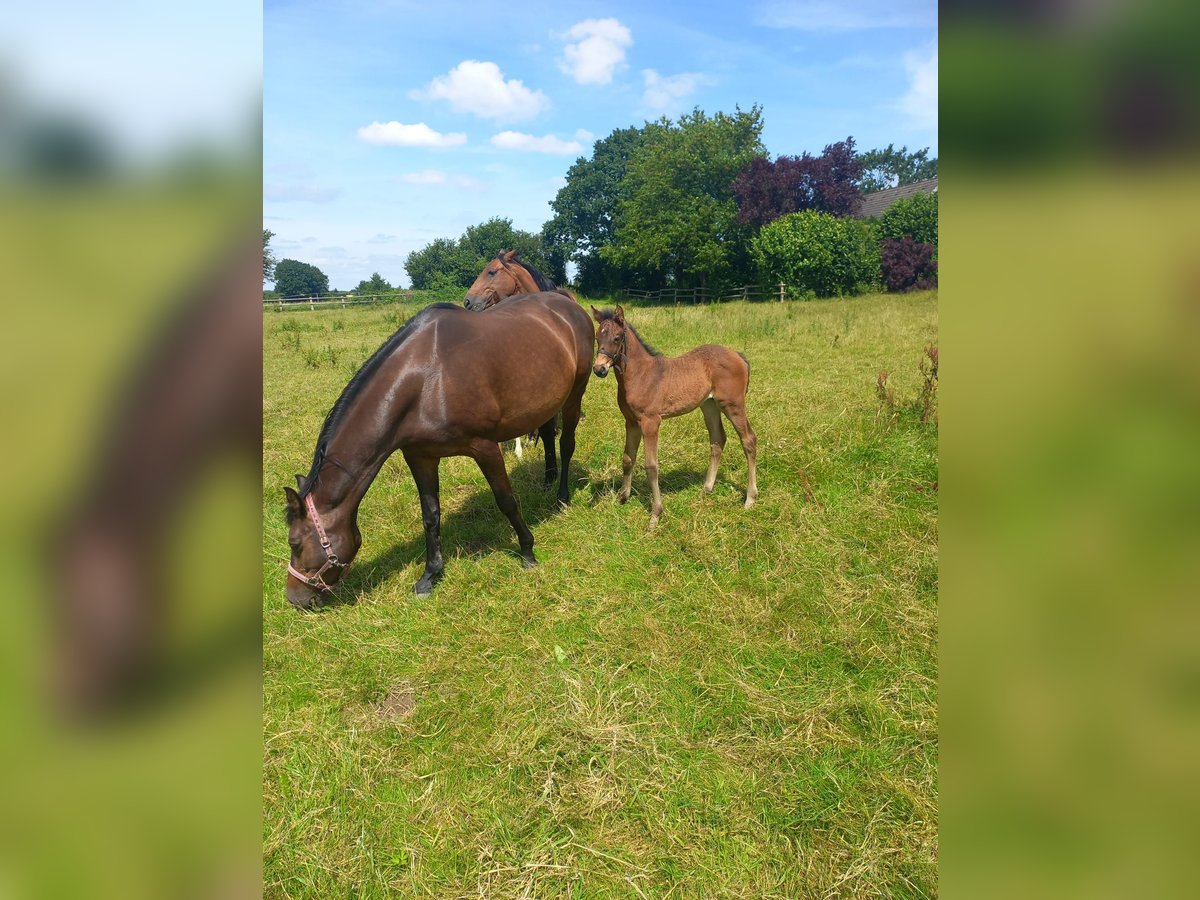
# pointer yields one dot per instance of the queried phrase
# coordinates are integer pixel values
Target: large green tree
(268, 256)
(297, 279)
(889, 167)
(585, 207)
(678, 215)
(446, 263)
(376, 284)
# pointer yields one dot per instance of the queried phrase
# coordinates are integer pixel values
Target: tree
(766, 190)
(890, 167)
(817, 253)
(439, 258)
(915, 217)
(585, 207)
(444, 263)
(377, 284)
(268, 256)
(677, 214)
(297, 279)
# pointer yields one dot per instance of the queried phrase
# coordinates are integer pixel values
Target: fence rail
(697, 295)
(673, 295)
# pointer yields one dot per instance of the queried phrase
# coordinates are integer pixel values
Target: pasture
(741, 703)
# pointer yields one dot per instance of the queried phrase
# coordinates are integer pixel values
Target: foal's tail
(746, 360)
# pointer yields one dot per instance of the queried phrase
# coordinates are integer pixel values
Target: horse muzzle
(600, 369)
(476, 304)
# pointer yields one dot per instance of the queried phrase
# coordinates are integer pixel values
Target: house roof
(875, 203)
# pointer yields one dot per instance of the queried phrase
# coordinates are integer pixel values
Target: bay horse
(503, 277)
(448, 383)
(507, 276)
(651, 387)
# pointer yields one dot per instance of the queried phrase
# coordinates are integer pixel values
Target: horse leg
(491, 462)
(517, 448)
(716, 440)
(650, 432)
(735, 411)
(633, 437)
(546, 433)
(425, 474)
(570, 421)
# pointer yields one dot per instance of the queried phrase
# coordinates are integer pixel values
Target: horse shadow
(673, 481)
(474, 528)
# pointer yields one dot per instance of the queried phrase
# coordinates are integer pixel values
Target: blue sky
(389, 124)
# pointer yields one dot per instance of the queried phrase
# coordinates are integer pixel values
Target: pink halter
(331, 559)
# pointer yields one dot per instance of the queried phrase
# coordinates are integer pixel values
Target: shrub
(818, 253)
(915, 217)
(907, 264)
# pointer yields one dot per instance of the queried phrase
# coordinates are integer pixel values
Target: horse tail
(746, 360)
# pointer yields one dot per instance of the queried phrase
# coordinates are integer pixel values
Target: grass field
(741, 703)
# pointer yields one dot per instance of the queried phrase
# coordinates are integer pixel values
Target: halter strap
(331, 559)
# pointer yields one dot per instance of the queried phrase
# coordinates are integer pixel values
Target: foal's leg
(491, 462)
(570, 421)
(650, 433)
(633, 437)
(546, 433)
(716, 440)
(736, 412)
(425, 474)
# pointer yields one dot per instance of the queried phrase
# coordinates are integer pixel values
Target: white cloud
(836, 15)
(299, 193)
(437, 176)
(515, 140)
(397, 134)
(921, 100)
(665, 93)
(596, 50)
(583, 135)
(479, 88)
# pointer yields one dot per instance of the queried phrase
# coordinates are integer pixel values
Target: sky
(390, 123)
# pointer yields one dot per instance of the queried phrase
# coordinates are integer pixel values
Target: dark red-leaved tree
(766, 190)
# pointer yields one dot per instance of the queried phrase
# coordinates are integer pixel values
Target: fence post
(781, 292)
(311, 302)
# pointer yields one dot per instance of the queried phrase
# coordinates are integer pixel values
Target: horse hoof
(622, 498)
(424, 587)
(653, 524)
(750, 501)
(528, 562)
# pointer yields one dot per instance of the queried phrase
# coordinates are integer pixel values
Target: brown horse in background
(506, 276)
(503, 277)
(448, 383)
(651, 387)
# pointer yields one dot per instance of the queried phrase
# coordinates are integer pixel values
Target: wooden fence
(671, 295)
(696, 295)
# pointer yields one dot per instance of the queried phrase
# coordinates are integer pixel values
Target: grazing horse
(448, 383)
(507, 276)
(651, 388)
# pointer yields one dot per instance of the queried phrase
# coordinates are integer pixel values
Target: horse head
(500, 278)
(322, 548)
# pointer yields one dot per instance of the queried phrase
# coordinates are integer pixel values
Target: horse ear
(596, 315)
(513, 254)
(507, 255)
(620, 315)
(299, 482)
(294, 505)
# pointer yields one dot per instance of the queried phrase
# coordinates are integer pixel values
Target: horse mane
(354, 388)
(543, 283)
(608, 315)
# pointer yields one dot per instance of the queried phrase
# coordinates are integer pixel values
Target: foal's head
(611, 340)
(322, 548)
(500, 278)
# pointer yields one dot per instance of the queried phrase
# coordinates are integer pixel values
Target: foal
(651, 388)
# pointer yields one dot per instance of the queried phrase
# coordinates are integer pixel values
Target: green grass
(741, 703)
